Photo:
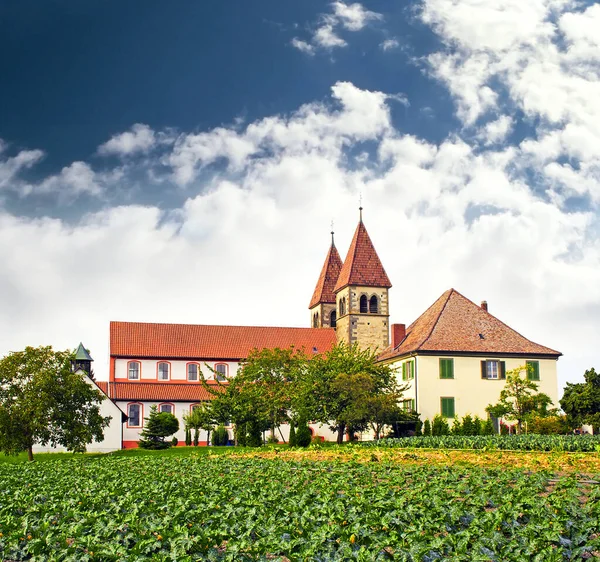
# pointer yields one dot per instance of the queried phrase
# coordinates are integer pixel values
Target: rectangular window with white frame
(192, 372)
(221, 372)
(134, 415)
(166, 408)
(133, 370)
(408, 370)
(493, 369)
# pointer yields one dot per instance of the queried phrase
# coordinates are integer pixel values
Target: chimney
(398, 334)
(484, 305)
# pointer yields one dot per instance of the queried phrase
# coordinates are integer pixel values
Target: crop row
(215, 508)
(563, 443)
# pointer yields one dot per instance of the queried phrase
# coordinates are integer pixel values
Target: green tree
(520, 399)
(338, 387)
(440, 426)
(201, 417)
(220, 436)
(303, 434)
(292, 439)
(427, 428)
(43, 402)
(581, 401)
(158, 426)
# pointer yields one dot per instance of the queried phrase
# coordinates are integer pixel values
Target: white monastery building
(454, 357)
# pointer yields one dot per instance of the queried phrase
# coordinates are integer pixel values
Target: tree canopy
(520, 399)
(42, 401)
(581, 401)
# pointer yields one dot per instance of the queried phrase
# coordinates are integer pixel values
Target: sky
(184, 162)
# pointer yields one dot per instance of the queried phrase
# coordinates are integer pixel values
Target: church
(453, 358)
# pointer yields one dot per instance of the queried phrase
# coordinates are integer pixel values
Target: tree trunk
(341, 431)
(208, 437)
(30, 453)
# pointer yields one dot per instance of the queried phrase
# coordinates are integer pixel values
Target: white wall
(471, 393)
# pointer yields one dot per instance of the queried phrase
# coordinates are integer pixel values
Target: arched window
(343, 306)
(221, 372)
(135, 414)
(192, 371)
(164, 371)
(316, 320)
(133, 370)
(166, 407)
(333, 319)
(373, 305)
(364, 306)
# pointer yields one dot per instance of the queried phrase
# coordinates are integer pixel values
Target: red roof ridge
(434, 324)
(362, 265)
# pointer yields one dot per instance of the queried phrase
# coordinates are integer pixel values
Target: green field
(194, 505)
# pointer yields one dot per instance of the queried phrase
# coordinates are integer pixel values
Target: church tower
(323, 312)
(361, 295)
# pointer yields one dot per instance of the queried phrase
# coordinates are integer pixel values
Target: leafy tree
(201, 417)
(43, 402)
(581, 401)
(340, 386)
(158, 426)
(519, 399)
(220, 436)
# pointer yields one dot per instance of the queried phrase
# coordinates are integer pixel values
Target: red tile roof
(328, 278)
(362, 265)
(156, 391)
(190, 341)
(453, 323)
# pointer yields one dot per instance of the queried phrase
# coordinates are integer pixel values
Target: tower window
(316, 320)
(343, 306)
(373, 305)
(333, 319)
(363, 304)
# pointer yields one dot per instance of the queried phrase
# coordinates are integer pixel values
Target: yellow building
(453, 358)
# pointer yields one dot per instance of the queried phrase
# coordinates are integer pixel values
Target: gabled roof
(328, 278)
(453, 323)
(81, 354)
(362, 265)
(157, 392)
(192, 341)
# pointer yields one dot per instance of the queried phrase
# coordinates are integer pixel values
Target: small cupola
(82, 361)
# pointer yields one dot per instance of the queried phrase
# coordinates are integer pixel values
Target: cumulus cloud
(10, 167)
(389, 44)
(350, 17)
(139, 139)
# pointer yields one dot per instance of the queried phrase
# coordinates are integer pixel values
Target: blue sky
(157, 157)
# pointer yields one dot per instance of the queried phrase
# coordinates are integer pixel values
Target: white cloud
(72, 181)
(140, 138)
(11, 167)
(350, 17)
(389, 44)
(496, 131)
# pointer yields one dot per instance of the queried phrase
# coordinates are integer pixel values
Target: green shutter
(403, 371)
(502, 369)
(446, 368)
(448, 407)
(483, 370)
(533, 370)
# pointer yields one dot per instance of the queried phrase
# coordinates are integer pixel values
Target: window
(373, 305)
(221, 372)
(316, 320)
(192, 371)
(168, 408)
(408, 370)
(533, 370)
(342, 305)
(133, 371)
(333, 319)
(446, 368)
(447, 407)
(364, 307)
(493, 370)
(163, 371)
(134, 415)
(408, 405)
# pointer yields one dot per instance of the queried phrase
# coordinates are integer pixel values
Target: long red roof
(193, 341)
(157, 392)
(362, 265)
(328, 278)
(453, 323)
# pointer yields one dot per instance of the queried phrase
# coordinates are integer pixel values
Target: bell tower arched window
(342, 306)
(373, 305)
(364, 307)
(333, 319)
(316, 320)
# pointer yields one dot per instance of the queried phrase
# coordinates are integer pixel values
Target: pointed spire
(81, 354)
(362, 265)
(329, 274)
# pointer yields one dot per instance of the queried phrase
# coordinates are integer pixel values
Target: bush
(427, 428)
(551, 425)
(196, 437)
(174, 442)
(440, 426)
(293, 441)
(188, 436)
(220, 436)
(158, 426)
(488, 427)
(477, 426)
(303, 435)
(272, 440)
(457, 428)
(254, 435)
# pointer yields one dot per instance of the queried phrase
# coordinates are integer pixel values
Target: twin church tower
(352, 296)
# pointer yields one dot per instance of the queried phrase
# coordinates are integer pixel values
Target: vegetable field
(561, 443)
(219, 508)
